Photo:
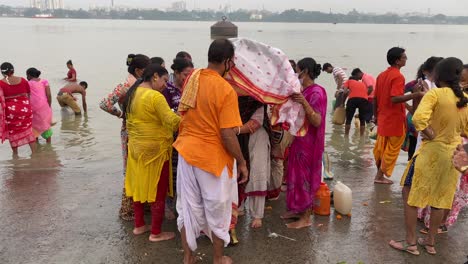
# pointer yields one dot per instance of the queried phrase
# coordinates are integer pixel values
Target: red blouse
(13, 90)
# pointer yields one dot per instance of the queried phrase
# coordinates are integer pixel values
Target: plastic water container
(342, 198)
(322, 200)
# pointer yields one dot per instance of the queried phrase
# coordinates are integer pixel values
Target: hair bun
(130, 58)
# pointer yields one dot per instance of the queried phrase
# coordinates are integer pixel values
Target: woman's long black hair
(449, 71)
(148, 74)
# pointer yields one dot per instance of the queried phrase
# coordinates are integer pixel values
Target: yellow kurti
(435, 178)
(151, 125)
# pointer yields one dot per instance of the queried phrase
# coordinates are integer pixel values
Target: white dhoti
(204, 202)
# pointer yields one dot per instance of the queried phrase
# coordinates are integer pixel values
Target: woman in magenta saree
(305, 159)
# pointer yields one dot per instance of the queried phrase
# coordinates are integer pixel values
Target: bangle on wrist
(463, 169)
(238, 130)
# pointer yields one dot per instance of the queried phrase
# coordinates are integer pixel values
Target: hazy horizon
(448, 7)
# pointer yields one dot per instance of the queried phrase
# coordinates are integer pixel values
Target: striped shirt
(340, 77)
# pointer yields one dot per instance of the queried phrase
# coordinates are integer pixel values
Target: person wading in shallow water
(17, 109)
(71, 75)
(65, 96)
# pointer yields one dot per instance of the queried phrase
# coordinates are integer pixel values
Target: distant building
(178, 6)
(47, 4)
(256, 16)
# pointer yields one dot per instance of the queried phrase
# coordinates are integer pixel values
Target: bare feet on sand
(162, 237)
(223, 260)
(301, 223)
(190, 260)
(256, 223)
(383, 181)
(141, 230)
(380, 178)
(290, 215)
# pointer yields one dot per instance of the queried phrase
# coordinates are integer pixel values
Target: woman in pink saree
(305, 159)
(40, 99)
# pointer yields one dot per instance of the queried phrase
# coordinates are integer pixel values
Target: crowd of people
(26, 105)
(196, 149)
(428, 118)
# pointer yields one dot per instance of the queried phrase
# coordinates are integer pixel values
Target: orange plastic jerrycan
(322, 200)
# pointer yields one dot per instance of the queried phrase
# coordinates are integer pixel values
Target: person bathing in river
(17, 109)
(71, 75)
(40, 104)
(65, 96)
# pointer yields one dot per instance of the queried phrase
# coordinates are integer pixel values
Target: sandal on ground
(405, 247)
(430, 249)
(233, 238)
(441, 230)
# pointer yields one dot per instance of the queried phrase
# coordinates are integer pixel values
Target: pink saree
(42, 113)
(304, 170)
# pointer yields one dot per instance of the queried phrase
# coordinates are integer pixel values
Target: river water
(98, 49)
(88, 148)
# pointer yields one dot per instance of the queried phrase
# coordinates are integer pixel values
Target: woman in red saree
(17, 109)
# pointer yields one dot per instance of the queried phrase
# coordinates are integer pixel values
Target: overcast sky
(449, 7)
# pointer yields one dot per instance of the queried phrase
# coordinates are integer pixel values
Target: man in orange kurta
(389, 110)
(208, 151)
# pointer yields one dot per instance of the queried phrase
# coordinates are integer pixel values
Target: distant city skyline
(47, 4)
(448, 7)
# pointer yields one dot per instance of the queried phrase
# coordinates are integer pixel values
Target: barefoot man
(389, 111)
(65, 96)
(208, 152)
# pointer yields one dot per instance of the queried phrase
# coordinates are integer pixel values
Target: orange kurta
(199, 141)
(391, 117)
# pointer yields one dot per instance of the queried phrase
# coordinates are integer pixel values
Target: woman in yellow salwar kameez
(151, 125)
(430, 178)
